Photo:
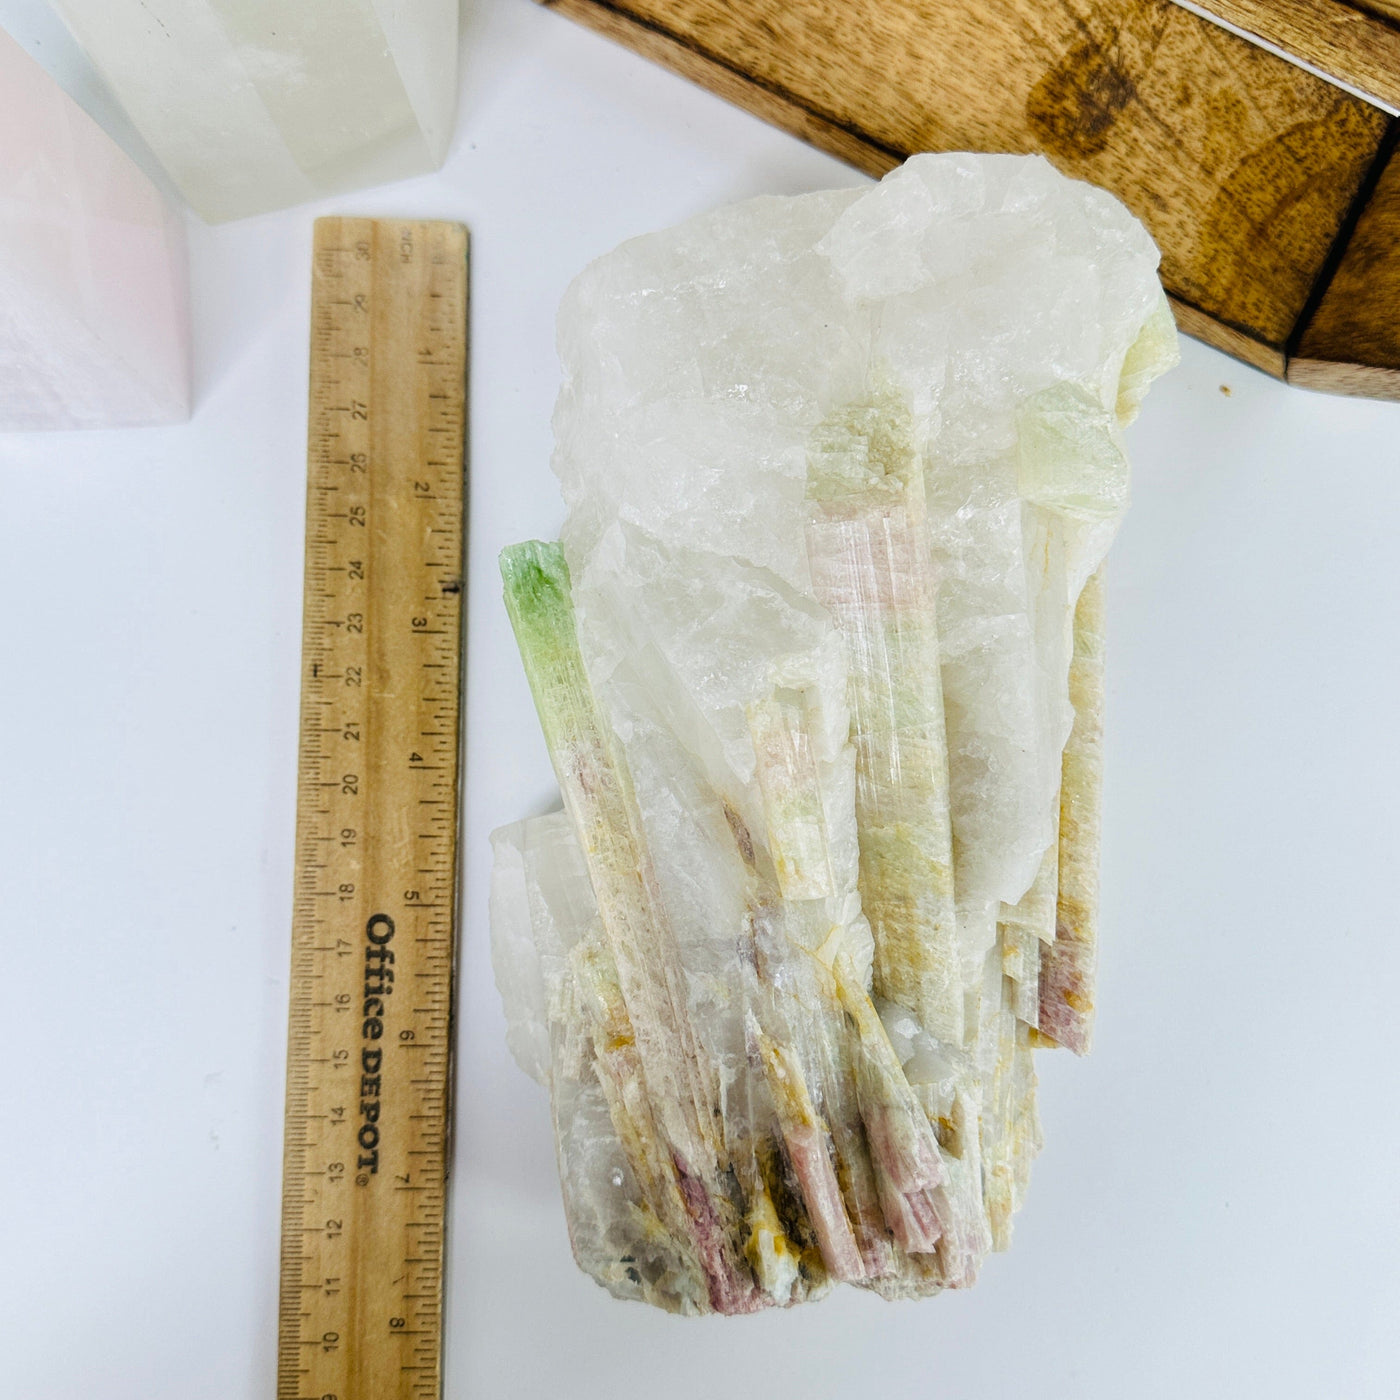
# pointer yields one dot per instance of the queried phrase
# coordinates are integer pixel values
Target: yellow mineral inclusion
(769, 1250)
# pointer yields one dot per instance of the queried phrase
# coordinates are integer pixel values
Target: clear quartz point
(819, 665)
(257, 104)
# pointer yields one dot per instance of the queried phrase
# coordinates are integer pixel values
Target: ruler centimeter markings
(374, 919)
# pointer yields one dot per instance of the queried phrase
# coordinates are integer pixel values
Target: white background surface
(1215, 1211)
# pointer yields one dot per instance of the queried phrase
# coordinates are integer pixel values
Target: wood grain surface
(1356, 45)
(1247, 170)
(1387, 9)
(1351, 343)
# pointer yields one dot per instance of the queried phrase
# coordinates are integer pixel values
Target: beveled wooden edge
(1340, 41)
(1200, 325)
(1359, 381)
(1348, 335)
(1387, 9)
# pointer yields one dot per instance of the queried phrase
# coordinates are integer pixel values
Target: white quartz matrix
(94, 328)
(256, 104)
(820, 669)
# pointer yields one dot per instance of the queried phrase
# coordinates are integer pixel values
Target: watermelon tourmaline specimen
(819, 664)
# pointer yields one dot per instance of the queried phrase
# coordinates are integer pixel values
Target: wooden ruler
(369, 1045)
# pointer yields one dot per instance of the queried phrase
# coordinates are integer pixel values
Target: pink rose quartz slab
(94, 322)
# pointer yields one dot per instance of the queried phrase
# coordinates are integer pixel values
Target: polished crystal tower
(819, 663)
(256, 104)
(94, 328)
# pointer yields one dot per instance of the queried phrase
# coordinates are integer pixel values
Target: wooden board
(1351, 343)
(1249, 172)
(1355, 45)
(369, 1044)
(1386, 9)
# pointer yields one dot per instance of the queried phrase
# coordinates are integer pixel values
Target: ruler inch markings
(363, 1197)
